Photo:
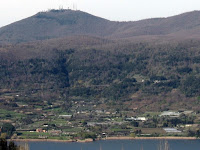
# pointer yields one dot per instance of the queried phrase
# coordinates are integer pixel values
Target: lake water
(117, 145)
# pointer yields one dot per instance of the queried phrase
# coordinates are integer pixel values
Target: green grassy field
(35, 135)
(5, 114)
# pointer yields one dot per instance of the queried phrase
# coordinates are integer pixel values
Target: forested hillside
(68, 55)
(142, 74)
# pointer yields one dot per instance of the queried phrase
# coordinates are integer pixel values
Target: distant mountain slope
(46, 48)
(55, 24)
(184, 23)
(62, 23)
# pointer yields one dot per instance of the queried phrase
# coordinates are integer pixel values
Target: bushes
(8, 128)
(184, 70)
(5, 146)
(191, 86)
(86, 135)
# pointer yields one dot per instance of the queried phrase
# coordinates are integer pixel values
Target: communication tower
(61, 7)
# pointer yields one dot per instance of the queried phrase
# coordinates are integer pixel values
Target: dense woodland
(129, 73)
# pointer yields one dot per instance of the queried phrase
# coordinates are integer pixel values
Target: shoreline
(40, 140)
(152, 138)
(108, 138)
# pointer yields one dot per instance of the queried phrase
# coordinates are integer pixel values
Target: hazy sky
(118, 10)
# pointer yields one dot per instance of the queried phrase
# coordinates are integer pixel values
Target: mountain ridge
(63, 23)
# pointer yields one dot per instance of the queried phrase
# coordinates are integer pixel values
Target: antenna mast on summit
(61, 7)
(74, 6)
(68, 4)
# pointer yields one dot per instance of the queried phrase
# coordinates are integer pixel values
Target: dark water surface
(117, 145)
